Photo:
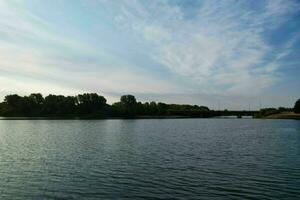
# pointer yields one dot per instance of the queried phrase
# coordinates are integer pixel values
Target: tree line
(92, 105)
(270, 111)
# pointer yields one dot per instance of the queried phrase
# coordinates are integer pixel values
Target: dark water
(150, 159)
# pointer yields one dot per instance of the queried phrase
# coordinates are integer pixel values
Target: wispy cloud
(222, 48)
(35, 57)
(148, 48)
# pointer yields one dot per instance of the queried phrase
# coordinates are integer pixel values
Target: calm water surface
(150, 159)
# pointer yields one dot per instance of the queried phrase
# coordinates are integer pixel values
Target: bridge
(213, 113)
(238, 113)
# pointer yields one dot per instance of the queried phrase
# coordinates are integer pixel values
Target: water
(150, 159)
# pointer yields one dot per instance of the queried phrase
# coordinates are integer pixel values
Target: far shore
(95, 118)
(284, 115)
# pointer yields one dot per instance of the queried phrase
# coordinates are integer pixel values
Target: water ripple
(150, 159)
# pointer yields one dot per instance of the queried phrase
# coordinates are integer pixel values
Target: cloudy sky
(236, 53)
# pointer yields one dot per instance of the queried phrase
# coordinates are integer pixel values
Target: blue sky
(235, 52)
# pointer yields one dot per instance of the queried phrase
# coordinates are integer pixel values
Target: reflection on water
(149, 159)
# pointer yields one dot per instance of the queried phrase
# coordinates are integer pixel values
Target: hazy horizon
(236, 54)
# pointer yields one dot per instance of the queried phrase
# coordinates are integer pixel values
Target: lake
(150, 159)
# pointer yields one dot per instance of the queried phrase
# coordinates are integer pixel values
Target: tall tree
(297, 106)
(90, 102)
(128, 100)
(14, 105)
(59, 105)
(128, 105)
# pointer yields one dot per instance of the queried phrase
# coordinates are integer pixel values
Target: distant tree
(37, 98)
(203, 108)
(128, 105)
(146, 107)
(59, 105)
(140, 109)
(118, 110)
(268, 111)
(94, 106)
(33, 104)
(128, 100)
(297, 106)
(90, 102)
(283, 109)
(2, 109)
(13, 100)
(14, 105)
(153, 108)
(162, 108)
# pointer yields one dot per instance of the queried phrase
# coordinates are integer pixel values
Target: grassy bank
(284, 115)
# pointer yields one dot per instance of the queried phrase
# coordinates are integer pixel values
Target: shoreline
(275, 116)
(284, 115)
(97, 118)
(117, 118)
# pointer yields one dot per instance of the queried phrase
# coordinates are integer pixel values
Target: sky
(229, 54)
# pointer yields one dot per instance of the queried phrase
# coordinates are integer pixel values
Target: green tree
(153, 108)
(128, 100)
(162, 108)
(297, 106)
(13, 100)
(3, 108)
(59, 105)
(90, 103)
(204, 108)
(33, 104)
(128, 105)
(14, 105)
(37, 98)
(93, 105)
(268, 111)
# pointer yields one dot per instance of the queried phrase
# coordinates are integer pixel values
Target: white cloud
(185, 57)
(34, 58)
(222, 48)
(25, 86)
(219, 49)
(155, 33)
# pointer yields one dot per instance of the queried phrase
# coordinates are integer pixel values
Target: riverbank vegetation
(92, 105)
(281, 112)
(297, 106)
